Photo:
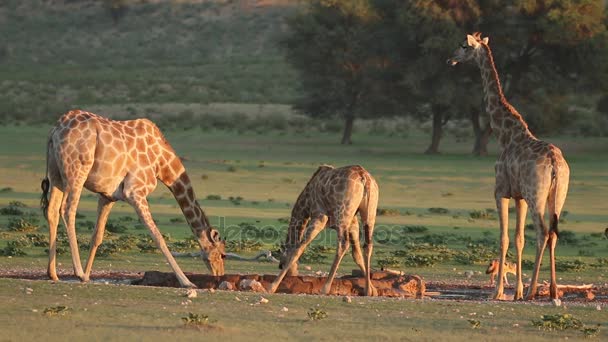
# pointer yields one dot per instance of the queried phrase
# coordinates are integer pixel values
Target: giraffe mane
(501, 95)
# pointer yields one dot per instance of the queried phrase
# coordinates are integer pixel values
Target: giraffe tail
(45, 184)
(554, 219)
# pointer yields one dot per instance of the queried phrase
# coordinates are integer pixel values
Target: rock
(556, 302)
(284, 309)
(251, 285)
(262, 300)
(308, 268)
(191, 293)
(347, 299)
(469, 274)
(226, 286)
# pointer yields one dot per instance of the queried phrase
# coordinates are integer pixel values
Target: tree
(331, 45)
(428, 30)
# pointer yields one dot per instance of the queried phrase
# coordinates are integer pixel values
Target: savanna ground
(436, 220)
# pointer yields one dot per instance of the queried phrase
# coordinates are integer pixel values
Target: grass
(109, 311)
(412, 185)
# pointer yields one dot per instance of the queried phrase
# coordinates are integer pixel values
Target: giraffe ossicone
(531, 171)
(118, 160)
(332, 198)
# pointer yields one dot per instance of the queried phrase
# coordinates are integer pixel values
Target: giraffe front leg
(103, 210)
(521, 208)
(341, 249)
(140, 203)
(502, 204)
(315, 226)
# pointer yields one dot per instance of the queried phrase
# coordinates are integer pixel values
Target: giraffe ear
(215, 235)
(485, 40)
(472, 41)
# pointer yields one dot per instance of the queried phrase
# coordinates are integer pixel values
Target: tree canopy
(373, 58)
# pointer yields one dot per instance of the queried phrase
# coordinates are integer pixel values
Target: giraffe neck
(508, 125)
(183, 191)
(299, 220)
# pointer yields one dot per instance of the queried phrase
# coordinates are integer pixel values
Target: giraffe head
(469, 49)
(214, 250)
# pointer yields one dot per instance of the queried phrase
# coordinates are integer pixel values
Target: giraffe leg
(315, 226)
(52, 215)
(140, 203)
(542, 236)
(521, 208)
(552, 242)
(367, 210)
(71, 199)
(342, 248)
(502, 204)
(356, 245)
(103, 210)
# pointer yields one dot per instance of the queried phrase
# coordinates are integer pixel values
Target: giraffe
(532, 172)
(118, 160)
(333, 197)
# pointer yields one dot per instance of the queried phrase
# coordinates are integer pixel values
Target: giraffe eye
(464, 46)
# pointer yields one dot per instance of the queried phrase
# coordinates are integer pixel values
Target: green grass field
(267, 172)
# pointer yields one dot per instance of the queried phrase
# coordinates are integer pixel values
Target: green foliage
(388, 212)
(568, 238)
(243, 245)
(314, 255)
(475, 323)
(440, 211)
(487, 214)
(316, 314)
(570, 265)
(196, 319)
(12, 249)
(387, 262)
(214, 197)
(558, 322)
(116, 227)
(23, 224)
(189, 243)
(15, 208)
(58, 310)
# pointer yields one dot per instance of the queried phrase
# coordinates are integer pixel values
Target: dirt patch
(389, 285)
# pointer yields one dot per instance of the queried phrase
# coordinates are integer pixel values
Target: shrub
(438, 210)
(116, 227)
(23, 224)
(414, 229)
(243, 245)
(37, 240)
(388, 212)
(214, 197)
(313, 255)
(570, 266)
(316, 314)
(389, 261)
(12, 249)
(195, 319)
(558, 322)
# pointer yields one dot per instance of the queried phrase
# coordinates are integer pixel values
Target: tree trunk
(348, 129)
(482, 136)
(437, 130)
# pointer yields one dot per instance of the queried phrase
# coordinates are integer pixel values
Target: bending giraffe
(532, 172)
(333, 197)
(118, 160)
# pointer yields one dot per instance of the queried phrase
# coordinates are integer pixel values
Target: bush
(22, 224)
(12, 249)
(116, 227)
(389, 261)
(570, 266)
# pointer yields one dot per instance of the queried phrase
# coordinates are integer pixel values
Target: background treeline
(334, 60)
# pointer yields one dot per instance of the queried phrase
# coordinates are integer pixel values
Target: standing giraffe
(532, 172)
(333, 197)
(119, 160)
